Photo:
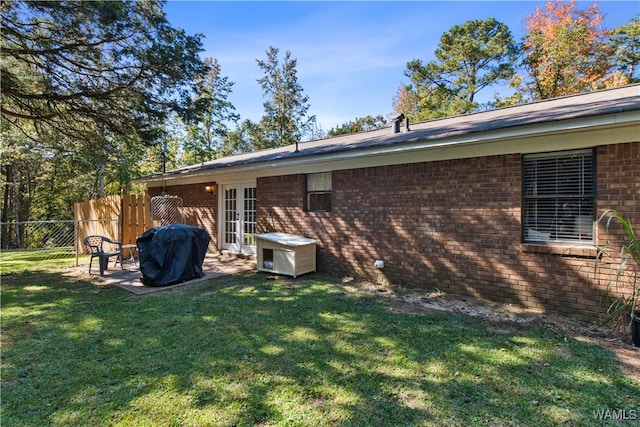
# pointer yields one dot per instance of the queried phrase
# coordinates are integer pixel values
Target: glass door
(230, 223)
(249, 218)
(239, 218)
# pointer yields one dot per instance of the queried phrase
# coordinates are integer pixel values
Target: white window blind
(558, 196)
(319, 181)
(319, 192)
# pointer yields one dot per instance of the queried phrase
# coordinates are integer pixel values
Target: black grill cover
(172, 254)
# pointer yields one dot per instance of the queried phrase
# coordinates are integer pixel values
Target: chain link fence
(42, 241)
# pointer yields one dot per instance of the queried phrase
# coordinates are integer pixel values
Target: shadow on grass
(243, 350)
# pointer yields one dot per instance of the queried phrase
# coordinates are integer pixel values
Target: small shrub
(623, 296)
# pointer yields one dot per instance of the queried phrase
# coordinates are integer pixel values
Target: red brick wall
(200, 209)
(618, 187)
(451, 225)
(280, 203)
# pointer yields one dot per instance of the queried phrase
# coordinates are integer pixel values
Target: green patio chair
(103, 248)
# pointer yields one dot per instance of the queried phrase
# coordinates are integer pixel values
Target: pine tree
(285, 118)
(470, 57)
(206, 135)
(86, 69)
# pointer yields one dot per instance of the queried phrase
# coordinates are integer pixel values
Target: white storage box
(286, 254)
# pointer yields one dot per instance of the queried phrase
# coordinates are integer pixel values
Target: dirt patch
(507, 317)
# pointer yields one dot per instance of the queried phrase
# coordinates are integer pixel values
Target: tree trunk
(6, 206)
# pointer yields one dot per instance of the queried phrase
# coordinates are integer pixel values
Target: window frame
(311, 203)
(577, 208)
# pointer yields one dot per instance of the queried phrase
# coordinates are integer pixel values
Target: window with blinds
(319, 192)
(558, 196)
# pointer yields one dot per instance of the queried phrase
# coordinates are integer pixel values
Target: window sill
(578, 250)
(318, 214)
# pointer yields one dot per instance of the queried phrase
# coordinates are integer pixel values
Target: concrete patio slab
(214, 266)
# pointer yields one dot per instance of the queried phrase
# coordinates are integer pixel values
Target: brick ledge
(566, 249)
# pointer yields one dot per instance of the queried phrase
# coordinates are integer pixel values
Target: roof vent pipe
(395, 128)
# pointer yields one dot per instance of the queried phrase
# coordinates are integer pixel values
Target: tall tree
(565, 50)
(86, 68)
(206, 134)
(404, 102)
(285, 119)
(361, 124)
(246, 137)
(83, 85)
(625, 44)
(470, 57)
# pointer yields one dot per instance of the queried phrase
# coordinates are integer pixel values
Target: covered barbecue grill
(172, 254)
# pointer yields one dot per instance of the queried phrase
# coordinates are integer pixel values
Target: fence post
(121, 215)
(76, 244)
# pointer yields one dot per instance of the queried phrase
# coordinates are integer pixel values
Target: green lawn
(20, 260)
(244, 351)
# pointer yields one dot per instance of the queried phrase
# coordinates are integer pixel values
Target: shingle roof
(591, 104)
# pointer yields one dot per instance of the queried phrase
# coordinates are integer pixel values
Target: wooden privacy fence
(130, 211)
(136, 218)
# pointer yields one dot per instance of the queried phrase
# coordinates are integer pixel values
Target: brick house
(500, 205)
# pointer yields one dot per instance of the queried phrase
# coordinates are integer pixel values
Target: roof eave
(476, 143)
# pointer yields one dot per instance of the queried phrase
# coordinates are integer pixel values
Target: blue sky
(351, 55)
